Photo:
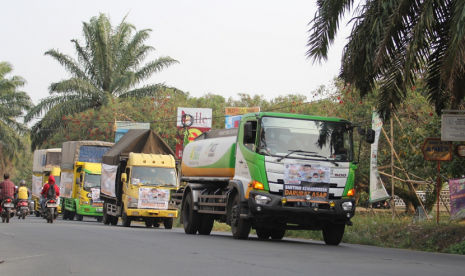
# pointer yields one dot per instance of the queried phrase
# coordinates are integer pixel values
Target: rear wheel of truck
(148, 223)
(263, 233)
(37, 213)
(79, 217)
(64, 213)
(71, 215)
(333, 233)
(206, 224)
(240, 227)
(125, 220)
(168, 223)
(113, 220)
(99, 219)
(190, 217)
(278, 234)
(106, 217)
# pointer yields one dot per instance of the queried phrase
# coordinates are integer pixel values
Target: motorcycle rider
(23, 192)
(7, 188)
(44, 192)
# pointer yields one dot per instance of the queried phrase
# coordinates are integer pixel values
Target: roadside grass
(380, 229)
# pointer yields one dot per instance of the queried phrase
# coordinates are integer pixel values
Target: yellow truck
(46, 162)
(138, 179)
(80, 179)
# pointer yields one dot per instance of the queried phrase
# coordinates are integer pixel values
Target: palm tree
(395, 44)
(12, 104)
(109, 65)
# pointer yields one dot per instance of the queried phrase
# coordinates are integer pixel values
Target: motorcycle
(50, 212)
(22, 209)
(7, 207)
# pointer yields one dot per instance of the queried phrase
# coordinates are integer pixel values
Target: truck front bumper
(152, 213)
(312, 215)
(87, 210)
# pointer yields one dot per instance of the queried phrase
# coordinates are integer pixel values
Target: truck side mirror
(370, 136)
(124, 177)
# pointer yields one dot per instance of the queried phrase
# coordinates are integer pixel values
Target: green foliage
(109, 66)
(457, 249)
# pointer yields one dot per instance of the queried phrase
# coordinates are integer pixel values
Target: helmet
(22, 183)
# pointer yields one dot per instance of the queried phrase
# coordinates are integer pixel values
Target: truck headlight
(85, 202)
(261, 199)
(132, 205)
(347, 206)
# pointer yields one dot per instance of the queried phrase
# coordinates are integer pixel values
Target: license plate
(99, 210)
(24, 208)
(8, 205)
(51, 205)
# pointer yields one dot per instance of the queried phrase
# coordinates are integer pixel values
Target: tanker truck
(138, 178)
(273, 173)
(80, 179)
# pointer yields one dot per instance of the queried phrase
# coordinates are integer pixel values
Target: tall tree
(109, 65)
(13, 103)
(394, 43)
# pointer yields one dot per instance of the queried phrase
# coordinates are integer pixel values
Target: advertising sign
(194, 132)
(233, 115)
(122, 127)
(296, 173)
(377, 190)
(453, 126)
(152, 198)
(36, 185)
(457, 198)
(434, 149)
(202, 117)
(96, 201)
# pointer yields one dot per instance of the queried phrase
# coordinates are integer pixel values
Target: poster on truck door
(36, 185)
(152, 198)
(66, 184)
(107, 180)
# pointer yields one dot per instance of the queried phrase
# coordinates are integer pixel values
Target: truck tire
(263, 233)
(333, 233)
(191, 218)
(206, 224)
(148, 223)
(71, 215)
(64, 213)
(168, 223)
(278, 234)
(113, 220)
(106, 217)
(125, 220)
(99, 219)
(240, 228)
(79, 217)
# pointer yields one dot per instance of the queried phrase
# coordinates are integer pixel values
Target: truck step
(212, 212)
(212, 204)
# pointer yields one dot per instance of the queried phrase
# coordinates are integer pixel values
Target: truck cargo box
(84, 151)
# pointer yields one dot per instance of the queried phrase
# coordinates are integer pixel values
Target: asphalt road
(34, 247)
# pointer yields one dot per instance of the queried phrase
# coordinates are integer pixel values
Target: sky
(256, 47)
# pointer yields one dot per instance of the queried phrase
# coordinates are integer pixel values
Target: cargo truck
(138, 178)
(80, 179)
(46, 162)
(273, 173)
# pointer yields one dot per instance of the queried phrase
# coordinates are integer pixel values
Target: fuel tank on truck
(210, 155)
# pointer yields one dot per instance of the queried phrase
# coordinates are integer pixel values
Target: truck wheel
(79, 217)
(263, 233)
(206, 224)
(191, 218)
(240, 227)
(64, 213)
(148, 223)
(125, 220)
(106, 217)
(99, 219)
(278, 234)
(71, 215)
(113, 220)
(37, 213)
(168, 223)
(333, 233)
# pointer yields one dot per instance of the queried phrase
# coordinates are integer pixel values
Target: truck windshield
(310, 138)
(91, 181)
(153, 176)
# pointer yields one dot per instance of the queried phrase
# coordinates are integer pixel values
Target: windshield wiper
(324, 157)
(291, 152)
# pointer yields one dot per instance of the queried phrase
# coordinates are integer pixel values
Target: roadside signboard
(453, 125)
(434, 149)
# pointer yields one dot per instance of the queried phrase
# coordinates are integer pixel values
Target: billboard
(233, 115)
(202, 117)
(123, 126)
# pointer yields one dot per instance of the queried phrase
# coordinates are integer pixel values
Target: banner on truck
(296, 173)
(36, 185)
(457, 198)
(107, 180)
(152, 198)
(377, 190)
(66, 184)
(96, 201)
